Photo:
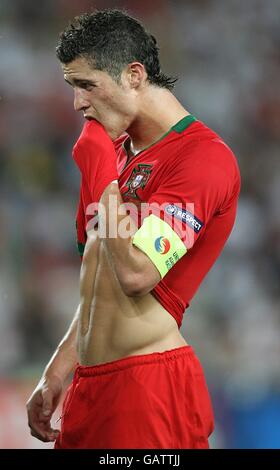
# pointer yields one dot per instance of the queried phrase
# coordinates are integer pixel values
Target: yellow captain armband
(160, 243)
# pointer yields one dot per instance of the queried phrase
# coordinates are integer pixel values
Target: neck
(159, 111)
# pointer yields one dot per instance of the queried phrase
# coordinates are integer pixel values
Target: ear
(136, 74)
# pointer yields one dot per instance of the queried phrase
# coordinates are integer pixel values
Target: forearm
(88, 271)
(131, 265)
(65, 357)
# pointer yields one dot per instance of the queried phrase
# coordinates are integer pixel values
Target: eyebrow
(79, 82)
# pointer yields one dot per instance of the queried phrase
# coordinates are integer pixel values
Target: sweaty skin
(112, 325)
(109, 324)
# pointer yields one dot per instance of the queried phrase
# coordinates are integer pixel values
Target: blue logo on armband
(185, 216)
(162, 245)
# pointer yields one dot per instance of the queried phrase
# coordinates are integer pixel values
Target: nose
(80, 102)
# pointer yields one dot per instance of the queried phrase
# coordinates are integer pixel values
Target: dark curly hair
(110, 40)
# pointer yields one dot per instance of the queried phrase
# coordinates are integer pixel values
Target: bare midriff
(112, 325)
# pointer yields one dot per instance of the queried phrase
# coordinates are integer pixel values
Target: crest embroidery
(138, 179)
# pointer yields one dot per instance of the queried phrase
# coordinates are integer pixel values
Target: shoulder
(204, 152)
(204, 164)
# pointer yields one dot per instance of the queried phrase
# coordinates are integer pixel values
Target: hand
(96, 157)
(41, 406)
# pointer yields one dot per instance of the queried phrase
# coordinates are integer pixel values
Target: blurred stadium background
(227, 55)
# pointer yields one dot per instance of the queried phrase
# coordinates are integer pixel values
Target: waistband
(131, 361)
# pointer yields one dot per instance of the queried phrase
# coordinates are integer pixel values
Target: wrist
(61, 365)
(50, 375)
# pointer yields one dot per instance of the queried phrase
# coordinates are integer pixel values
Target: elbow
(134, 285)
(138, 282)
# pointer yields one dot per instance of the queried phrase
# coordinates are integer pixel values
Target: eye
(86, 86)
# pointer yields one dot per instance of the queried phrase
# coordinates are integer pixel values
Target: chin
(113, 134)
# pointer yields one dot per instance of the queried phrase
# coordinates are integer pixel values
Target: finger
(39, 435)
(38, 429)
(45, 435)
(52, 435)
(47, 428)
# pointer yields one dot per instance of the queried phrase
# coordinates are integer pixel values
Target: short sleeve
(197, 187)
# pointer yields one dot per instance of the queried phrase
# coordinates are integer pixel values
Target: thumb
(47, 403)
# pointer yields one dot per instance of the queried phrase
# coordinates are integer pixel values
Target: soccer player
(137, 383)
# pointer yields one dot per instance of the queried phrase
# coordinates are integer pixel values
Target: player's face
(99, 97)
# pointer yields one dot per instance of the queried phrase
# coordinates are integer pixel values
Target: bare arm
(63, 361)
(87, 278)
(45, 398)
(136, 272)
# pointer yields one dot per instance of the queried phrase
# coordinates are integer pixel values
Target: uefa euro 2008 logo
(162, 245)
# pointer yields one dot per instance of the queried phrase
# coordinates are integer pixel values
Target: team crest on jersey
(138, 179)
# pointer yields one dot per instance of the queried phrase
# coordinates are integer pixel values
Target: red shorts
(149, 401)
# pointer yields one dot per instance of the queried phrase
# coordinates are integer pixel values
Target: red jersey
(189, 166)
